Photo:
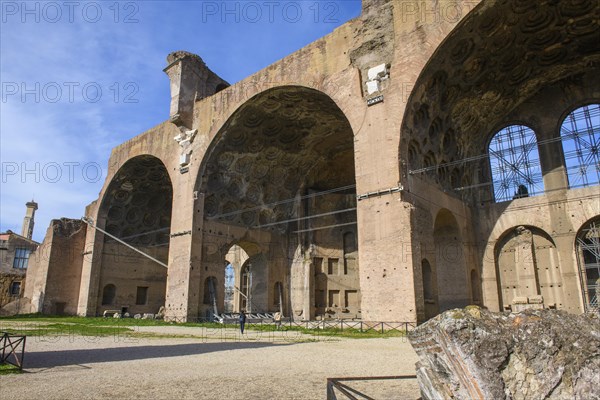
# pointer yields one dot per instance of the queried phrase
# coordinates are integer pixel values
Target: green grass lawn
(333, 332)
(43, 325)
(6, 369)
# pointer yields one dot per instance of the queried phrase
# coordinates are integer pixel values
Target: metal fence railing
(361, 326)
(12, 349)
(341, 325)
(335, 386)
(265, 320)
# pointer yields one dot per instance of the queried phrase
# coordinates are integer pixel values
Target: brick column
(386, 259)
(90, 272)
(185, 250)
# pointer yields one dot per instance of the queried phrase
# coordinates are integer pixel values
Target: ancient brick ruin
(423, 156)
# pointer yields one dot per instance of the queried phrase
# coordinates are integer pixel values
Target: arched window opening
(580, 134)
(229, 288)
(108, 294)
(528, 270)
(588, 244)
(136, 208)
(430, 297)
(515, 163)
(233, 263)
(452, 286)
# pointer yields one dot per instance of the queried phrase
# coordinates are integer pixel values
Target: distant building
(15, 251)
(28, 221)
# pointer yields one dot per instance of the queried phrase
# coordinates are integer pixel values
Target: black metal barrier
(12, 349)
(334, 384)
(341, 325)
(361, 326)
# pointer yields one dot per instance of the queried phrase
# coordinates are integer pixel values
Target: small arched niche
(453, 288)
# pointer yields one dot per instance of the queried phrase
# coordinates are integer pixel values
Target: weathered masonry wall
(13, 272)
(340, 206)
(56, 270)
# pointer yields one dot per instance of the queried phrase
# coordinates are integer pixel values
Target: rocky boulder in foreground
(534, 354)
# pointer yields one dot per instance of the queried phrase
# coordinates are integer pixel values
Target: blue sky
(78, 78)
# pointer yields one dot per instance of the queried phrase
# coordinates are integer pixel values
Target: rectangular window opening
(142, 295)
(332, 266)
(318, 263)
(15, 289)
(351, 298)
(21, 257)
(334, 298)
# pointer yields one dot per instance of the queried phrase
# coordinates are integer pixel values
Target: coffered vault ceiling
(138, 202)
(501, 55)
(279, 144)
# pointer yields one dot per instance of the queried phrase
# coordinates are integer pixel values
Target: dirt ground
(208, 364)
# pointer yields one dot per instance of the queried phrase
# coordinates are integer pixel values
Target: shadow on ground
(50, 359)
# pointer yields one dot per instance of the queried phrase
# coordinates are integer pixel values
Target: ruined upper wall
(401, 35)
(54, 276)
(191, 80)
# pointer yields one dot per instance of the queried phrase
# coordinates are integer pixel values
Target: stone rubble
(473, 353)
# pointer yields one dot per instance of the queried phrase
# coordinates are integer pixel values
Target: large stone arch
(429, 289)
(158, 143)
(280, 173)
(271, 127)
(505, 62)
(528, 269)
(136, 208)
(588, 259)
(498, 58)
(580, 133)
(244, 256)
(236, 256)
(582, 205)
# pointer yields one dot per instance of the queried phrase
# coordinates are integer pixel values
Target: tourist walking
(242, 321)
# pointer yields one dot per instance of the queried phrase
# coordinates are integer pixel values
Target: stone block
(377, 72)
(372, 87)
(536, 300)
(541, 354)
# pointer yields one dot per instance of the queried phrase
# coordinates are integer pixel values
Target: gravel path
(213, 364)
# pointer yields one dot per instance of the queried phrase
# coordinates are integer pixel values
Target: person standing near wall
(277, 319)
(242, 321)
